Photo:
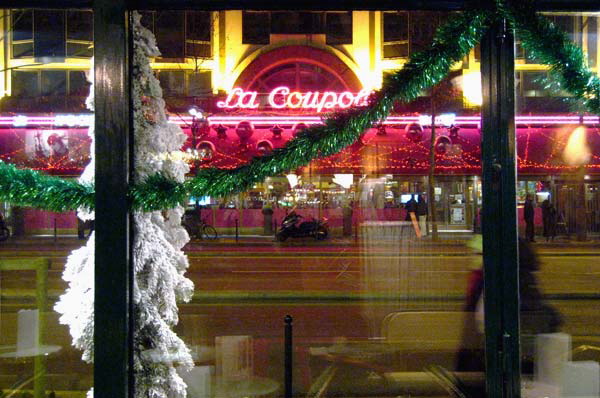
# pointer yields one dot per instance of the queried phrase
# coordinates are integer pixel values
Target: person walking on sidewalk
(528, 216)
(411, 215)
(422, 215)
(552, 222)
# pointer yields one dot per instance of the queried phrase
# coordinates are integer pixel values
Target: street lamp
(198, 122)
(198, 119)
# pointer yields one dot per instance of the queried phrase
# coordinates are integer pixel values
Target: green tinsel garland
(452, 42)
(425, 69)
(549, 45)
(26, 187)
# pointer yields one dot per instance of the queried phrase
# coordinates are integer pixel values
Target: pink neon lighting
(283, 98)
(64, 120)
(238, 98)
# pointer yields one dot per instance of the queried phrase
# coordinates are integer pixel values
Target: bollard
(55, 231)
(237, 227)
(288, 357)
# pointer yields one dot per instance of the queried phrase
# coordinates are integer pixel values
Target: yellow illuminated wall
(363, 56)
(3, 55)
(230, 57)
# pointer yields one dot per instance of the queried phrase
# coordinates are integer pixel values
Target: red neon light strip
(49, 121)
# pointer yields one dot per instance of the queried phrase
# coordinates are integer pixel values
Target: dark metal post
(237, 229)
(499, 218)
(113, 370)
(55, 231)
(288, 350)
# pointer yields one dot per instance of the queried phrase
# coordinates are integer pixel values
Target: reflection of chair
(234, 357)
(442, 331)
(31, 346)
(427, 341)
(434, 340)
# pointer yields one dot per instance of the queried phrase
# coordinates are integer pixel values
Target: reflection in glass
(558, 206)
(46, 333)
(371, 263)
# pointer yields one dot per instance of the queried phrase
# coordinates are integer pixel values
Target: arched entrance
(301, 68)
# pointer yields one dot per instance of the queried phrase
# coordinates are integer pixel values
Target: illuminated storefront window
(385, 225)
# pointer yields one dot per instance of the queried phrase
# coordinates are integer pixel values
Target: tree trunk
(431, 179)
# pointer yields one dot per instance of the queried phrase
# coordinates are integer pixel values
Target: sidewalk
(448, 239)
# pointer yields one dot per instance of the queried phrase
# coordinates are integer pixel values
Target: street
(423, 275)
(338, 290)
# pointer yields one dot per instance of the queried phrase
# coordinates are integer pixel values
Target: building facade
(258, 77)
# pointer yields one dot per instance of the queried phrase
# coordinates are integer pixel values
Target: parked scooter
(290, 228)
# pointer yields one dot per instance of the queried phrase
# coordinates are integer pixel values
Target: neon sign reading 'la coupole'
(284, 98)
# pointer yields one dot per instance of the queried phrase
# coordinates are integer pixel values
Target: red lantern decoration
(414, 132)
(244, 130)
(298, 127)
(442, 144)
(206, 151)
(264, 147)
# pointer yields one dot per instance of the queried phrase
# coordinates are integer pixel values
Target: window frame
(38, 78)
(186, 41)
(67, 40)
(390, 43)
(113, 375)
(321, 29)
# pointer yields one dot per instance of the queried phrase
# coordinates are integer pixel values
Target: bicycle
(207, 231)
(198, 228)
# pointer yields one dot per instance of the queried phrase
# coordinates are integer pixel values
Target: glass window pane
(46, 259)
(170, 33)
(256, 27)
(591, 22)
(395, 26)
(22, 50)
(297, 22)
(49, 34)
(339, 27)
(199, 84)
(25, 84)
(370, 249)
(148, 19)
(54, 82)
(80, 25)
(172, 82)
(395, 50)
(198, 50)
(78, 83)
(22, 25)
(558, 216)
(79, 50)
(198, 25)
(422, 28)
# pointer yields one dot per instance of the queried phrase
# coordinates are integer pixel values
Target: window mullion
(499, 223)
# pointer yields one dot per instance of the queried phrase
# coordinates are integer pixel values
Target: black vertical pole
(288, 351)
(499, 218)
(112, 323)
